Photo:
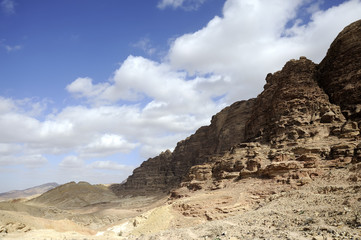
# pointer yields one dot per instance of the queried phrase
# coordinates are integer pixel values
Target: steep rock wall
(340, 71)
(292, 106)
(292, 130)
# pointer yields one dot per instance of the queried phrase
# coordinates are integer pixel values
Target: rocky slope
(306, 120)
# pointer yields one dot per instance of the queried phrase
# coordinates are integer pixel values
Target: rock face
(307, 118)
(291, 106)
(340, 71)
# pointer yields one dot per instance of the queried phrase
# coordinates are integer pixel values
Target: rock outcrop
(292, 106)
(307, 119)
(340, 71)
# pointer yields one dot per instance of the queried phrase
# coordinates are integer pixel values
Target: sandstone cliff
(166, 171)
(307, 119)
(340, 71)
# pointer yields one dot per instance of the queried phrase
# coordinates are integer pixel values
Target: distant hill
(75, 195)
(27, 192)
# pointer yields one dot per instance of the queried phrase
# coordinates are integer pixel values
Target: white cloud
(8, 6)
(184, 4)
(249, 41)
(33, 160)
(7, 149)
(6, 105)
(109, 165)
(72, 162)
(167, 105)
(169, 90)
(32, 106)
(28, 107)
(29, 160)
(84, 87)
(107, 144)
(98, 131)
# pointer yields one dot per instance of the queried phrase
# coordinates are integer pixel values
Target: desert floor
(327, 208)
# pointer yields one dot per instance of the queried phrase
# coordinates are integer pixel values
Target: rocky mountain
(284, 165)
(28, 192)
(340, 72)
(307, 119)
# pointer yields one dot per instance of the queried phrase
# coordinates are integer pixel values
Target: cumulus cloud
(72, 162)
(108, 165)
(93, 132)
(84, 87)
(28, 160)
(74, 168)
(27, 106)
(6, 105)
(138, 78)
(184, 4)
(163, 104)
(106, 145)
(7, 149)
(252, 39)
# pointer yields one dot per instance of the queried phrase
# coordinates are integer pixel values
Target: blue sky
(62, 40)
(89, 89)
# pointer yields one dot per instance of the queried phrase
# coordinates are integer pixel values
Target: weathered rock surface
(340, 71)
(292, 106)
(306, 120)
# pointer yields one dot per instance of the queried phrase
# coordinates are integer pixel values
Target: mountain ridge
(308, 115)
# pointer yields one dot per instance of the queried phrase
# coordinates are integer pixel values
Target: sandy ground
(327, 208)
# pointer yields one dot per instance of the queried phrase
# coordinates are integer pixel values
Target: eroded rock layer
(292, 106)
(340, 71)
(306, 119)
